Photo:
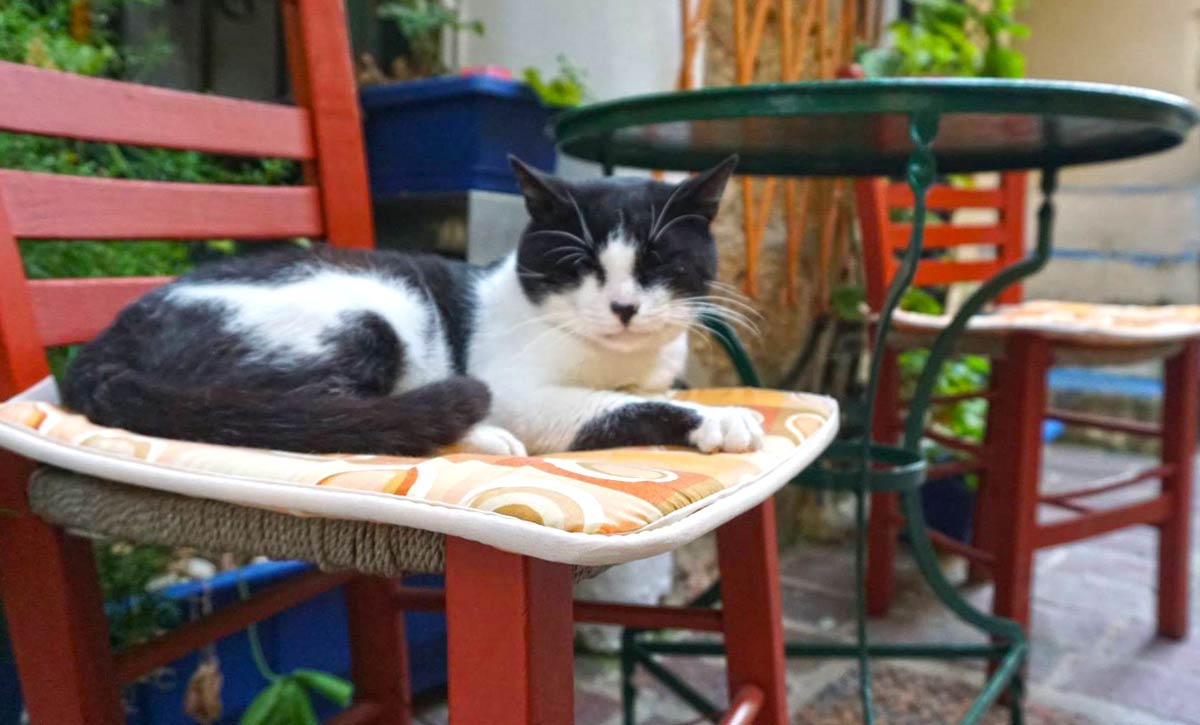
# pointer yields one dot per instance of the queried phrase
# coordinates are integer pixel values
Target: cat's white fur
(551, 367)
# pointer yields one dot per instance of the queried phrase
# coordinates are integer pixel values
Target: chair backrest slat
(900, 196)
(68, 311)
(53, 103)
(935, 273)
(884, 238)
(54, 206)
(946, 236)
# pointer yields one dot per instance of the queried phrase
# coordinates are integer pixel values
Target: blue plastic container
(310, 635)
(452, 133)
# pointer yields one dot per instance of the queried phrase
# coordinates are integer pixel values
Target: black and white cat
(562, 345)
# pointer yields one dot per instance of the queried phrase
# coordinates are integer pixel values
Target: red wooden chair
(1007, 529)
(510, 615)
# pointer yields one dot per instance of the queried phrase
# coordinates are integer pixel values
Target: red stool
(1007, 531)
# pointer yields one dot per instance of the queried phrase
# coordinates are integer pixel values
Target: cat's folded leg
(555, 418)
(726, 428)
(491, 440)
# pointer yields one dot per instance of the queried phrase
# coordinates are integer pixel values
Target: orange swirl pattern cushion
(1112, 324)
(596, 492)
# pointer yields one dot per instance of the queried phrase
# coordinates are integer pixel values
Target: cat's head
(625, 263)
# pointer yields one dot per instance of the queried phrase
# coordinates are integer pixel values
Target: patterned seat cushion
(1076, 322)
(593, 507)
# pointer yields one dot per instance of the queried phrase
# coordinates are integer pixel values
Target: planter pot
(452, 133)
(948, 503)
(10, 693)
(311, 634)
(949, 506)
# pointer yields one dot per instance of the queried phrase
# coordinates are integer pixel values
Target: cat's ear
(544, 193)
(701, 194)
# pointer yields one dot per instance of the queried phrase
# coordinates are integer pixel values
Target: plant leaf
(293, 707)
(260, 710)
(331, 687)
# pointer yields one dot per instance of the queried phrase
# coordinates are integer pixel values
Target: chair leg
(510, 634)
(56, 623)
(1012, 489)
(991, 491)
(882, 526)
(1181, 399)
(752, 613)
(881, 553)
(378, 654)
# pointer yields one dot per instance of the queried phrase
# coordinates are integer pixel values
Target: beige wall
(1124, 213)
(1150, 43)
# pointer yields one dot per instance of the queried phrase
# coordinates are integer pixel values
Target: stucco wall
(1128, 231)
(625, 46)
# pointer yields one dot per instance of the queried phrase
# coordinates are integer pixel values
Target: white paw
(493, 441)
(734, 430)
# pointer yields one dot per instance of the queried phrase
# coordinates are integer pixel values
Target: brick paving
(1094, 656)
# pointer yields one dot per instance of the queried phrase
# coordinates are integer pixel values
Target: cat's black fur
(639, 424)
(143, 375)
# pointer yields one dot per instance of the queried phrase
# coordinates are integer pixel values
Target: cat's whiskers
(733, 304)
(582, 244)
(526, 273)
(695, 308)
(587, 233)
(563, 328)
(682, 217)
(537, 319)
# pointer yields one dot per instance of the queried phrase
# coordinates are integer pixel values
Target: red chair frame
(1007, 532)
(510, 616)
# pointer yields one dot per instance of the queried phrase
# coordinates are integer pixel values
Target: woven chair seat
(96, 508)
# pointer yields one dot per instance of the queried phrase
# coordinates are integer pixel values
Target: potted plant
(427, 131)
(951, 38)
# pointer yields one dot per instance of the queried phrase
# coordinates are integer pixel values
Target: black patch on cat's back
(367, 354)
(638, 424)
(448, 285)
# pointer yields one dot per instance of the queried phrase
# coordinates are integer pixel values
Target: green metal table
(914, 128)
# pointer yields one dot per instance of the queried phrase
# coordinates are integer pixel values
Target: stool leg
(378, 654)
(882, 525)
(510, 635)
(1181, 398)
(881, 553)
(1016, 469)
(991, 491)
(752, 613)
(55, 617)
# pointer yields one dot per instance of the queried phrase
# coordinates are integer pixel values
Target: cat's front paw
(729, 429)
(491, 440)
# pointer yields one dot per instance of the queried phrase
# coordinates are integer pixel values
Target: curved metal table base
(1009, 651)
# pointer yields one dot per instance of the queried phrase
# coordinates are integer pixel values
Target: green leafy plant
(952, 38)
(53, 34)
(286, 700)
(961, 375)
(565, 90)
(134, 614)
(422, 23)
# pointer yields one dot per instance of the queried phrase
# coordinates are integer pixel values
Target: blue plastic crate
(452, 133)
(312, 634)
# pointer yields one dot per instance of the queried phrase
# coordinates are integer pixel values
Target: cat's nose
(624, 313)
